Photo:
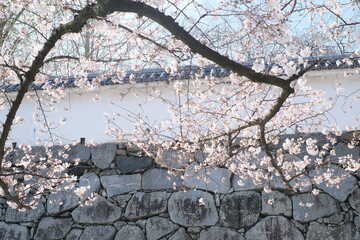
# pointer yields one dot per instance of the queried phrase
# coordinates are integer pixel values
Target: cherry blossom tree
(227, 120)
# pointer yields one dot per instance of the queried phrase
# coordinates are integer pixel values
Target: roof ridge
(185, 72)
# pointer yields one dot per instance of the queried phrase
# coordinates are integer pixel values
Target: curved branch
(177, 31)
(73, 26)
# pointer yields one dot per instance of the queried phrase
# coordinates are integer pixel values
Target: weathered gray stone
(98, 232)
(240, 209)
(58, 152)
(342, 150)
(345, 206)
(119, 184)
(214, 180)
(130, 232)
(301, 184)
(60, 202)
(78, 170)
(173, 159)
(354, 199)
(339, 191)
(200, 156)
(122, 200)
(309, 207)
(53, 228)
(193, 208)
(141, 223)
(357, 221)
(320, 137)
(80, 152)
(92, 182)
(272, 227)
(74, 234)
(14, 215)
(157, 227)
(215, 233)
(244, 184)
(276, 182)
(99, 212)
(13, 231)
(131, 164)
(276, 203)
(347, 231)
(144, 205)
(108, 172)
(349, 216)
(119, 224)
(301, 226)
(36, 153)
(194, 229)
(102, 155)
(180, 234)
(160, 179)
(334, 219)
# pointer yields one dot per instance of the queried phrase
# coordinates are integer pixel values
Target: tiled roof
(185, 72)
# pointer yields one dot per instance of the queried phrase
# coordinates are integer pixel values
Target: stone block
(309, 207)
(173, 159)
(339, 191)
(157, 227)
(119, 224)
(347, 231)
(160, 179)
(180, 234)
(354, 199)
(92, 182)
(274, 227)
(98, 232)
(130, 232)
(301, 184)
(53, 228)
(193, 208)
(61, 202)
(36, 152)
(14, 215)
(119, 184)
(99, 212)
(215, 232)
(144, 205)
(357, 221)
(342, 150)
(13, 231)
(213, 179)
(74, 234)
(103, 155)
(132, 164)
(78, 151)
(58, 152)
(240, 209)
(276, 203)
(122, 200)
(334, 219)
(78, 170)
(244, 184)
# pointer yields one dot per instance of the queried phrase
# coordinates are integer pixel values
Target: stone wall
(139, 200)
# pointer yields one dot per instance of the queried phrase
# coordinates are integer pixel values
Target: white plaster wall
(85, 118)
(346, 111)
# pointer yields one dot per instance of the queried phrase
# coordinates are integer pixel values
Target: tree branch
(73, 26)
(177, 31)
